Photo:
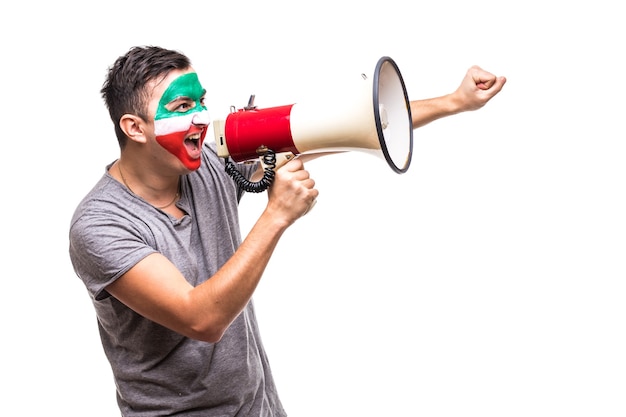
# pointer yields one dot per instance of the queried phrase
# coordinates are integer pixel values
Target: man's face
(181, 119)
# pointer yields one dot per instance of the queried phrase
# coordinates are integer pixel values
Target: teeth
(194, 137)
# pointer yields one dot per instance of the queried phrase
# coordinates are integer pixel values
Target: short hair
(125, 88)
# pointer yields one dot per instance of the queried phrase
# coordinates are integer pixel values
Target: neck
(160, 199)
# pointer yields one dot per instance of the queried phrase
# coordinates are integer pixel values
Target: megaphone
(371, 115)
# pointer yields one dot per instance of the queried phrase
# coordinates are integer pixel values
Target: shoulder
(108, 234)
(108, 209)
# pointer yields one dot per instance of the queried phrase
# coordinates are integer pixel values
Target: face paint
(182, 131)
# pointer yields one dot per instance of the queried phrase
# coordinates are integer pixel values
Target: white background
(486, 281)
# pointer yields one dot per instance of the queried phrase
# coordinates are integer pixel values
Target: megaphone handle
(278, 161)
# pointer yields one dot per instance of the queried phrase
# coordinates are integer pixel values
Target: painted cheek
(174, 144)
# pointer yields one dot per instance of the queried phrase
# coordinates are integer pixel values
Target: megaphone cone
(371, 115)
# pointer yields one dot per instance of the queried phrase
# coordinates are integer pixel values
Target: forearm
(224, 296)
(429, 110)
(157, 290)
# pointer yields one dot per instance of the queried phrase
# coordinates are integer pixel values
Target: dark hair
(124, 90)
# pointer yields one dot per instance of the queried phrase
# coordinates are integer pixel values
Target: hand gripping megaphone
(371, 115)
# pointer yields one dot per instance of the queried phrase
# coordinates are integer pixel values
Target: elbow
(207, 324)
(209, 337)
(206, 332)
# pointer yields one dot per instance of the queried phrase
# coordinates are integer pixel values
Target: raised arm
(476, 89)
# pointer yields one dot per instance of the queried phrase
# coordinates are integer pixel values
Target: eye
(183, 107)
(184, 104)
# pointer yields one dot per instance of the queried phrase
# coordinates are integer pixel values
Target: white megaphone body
(371, 115)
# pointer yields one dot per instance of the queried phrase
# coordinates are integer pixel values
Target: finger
(313, 203)
(294, 165)
(497, 86)
(482, 79)
(308, 183)
(485, 81)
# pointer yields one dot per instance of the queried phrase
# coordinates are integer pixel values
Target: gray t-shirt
(159, 372)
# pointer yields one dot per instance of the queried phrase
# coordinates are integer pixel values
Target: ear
(133, 126)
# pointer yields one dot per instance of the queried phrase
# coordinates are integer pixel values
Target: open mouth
(192, 144)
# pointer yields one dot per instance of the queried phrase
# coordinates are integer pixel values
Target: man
(157, 244)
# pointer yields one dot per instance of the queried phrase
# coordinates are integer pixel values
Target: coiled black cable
(269, 159)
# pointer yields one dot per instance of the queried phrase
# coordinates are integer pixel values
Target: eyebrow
(187, 97)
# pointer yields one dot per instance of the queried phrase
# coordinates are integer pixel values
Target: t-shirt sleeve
(102, 250)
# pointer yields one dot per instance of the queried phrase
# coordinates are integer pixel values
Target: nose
(201, 118)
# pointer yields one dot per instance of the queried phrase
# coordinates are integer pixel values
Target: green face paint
(186, 85)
